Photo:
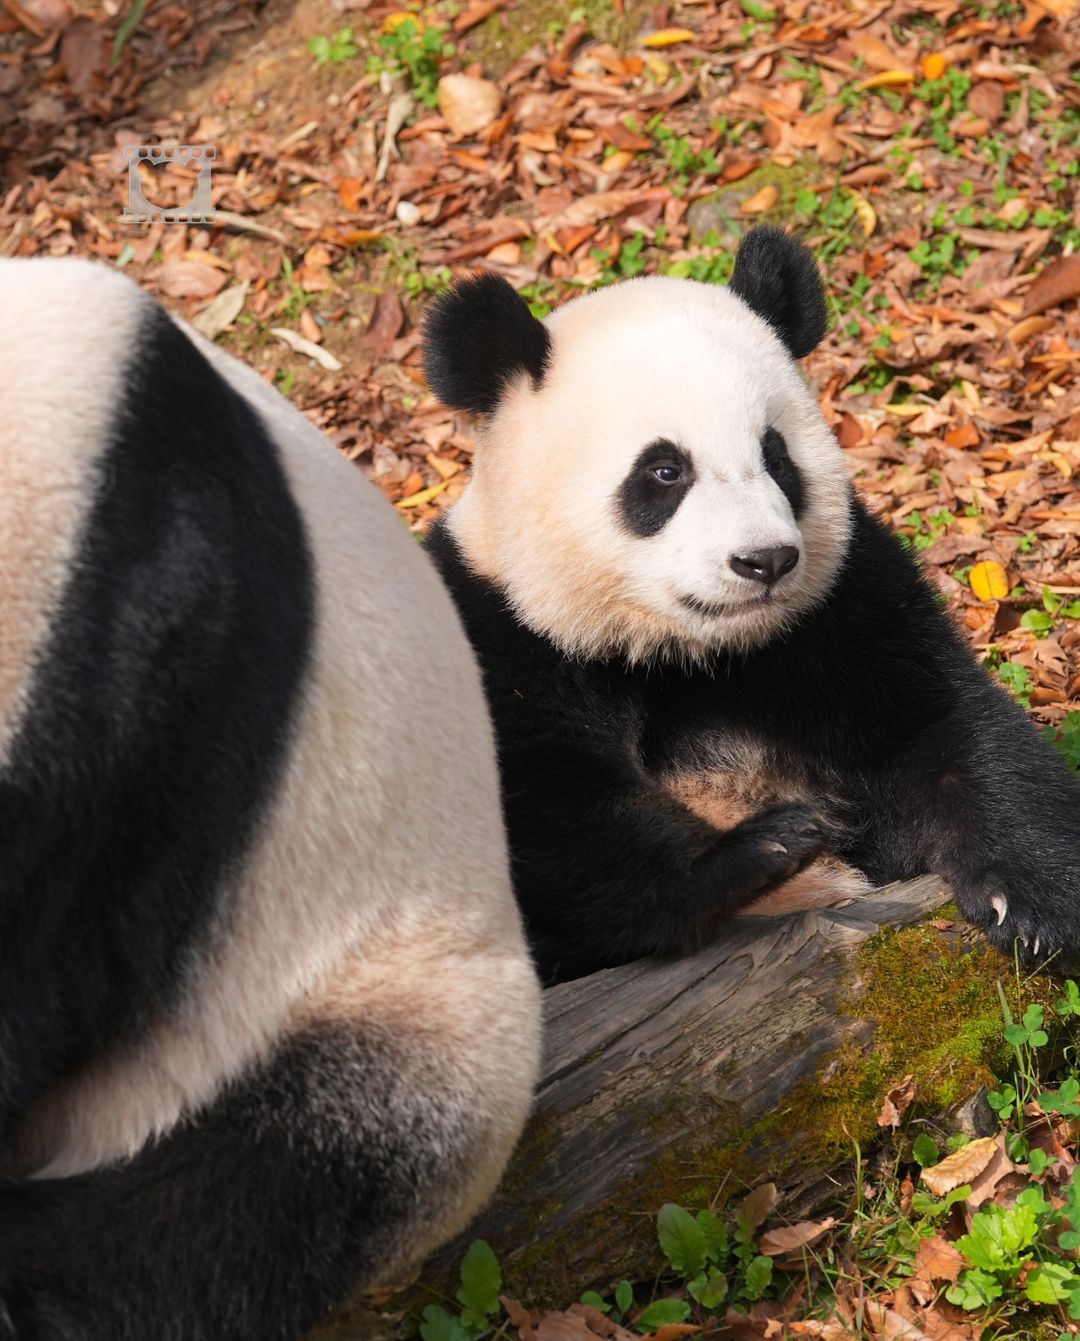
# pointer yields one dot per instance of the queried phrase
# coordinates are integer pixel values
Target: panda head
(653, 476)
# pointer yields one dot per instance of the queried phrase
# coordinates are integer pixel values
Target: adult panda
(706, 662)
(268, 1026)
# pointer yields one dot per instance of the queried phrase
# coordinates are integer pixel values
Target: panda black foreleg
(248, 1223)
(610, 868)
(982, 800)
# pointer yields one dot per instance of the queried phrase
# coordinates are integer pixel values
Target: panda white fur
(706, 662)
(268, 1026)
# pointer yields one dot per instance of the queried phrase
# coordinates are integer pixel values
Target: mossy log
(687, 1080)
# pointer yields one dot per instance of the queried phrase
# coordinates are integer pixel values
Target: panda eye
(666, 473)
(778, 465)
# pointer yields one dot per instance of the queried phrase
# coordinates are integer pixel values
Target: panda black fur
(707, 663)
(268, 1026)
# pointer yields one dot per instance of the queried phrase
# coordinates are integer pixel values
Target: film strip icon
(199, 208)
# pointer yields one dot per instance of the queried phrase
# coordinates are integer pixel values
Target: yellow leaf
(669, 37)
(990, 583)
(888, 79)
(424, 496)
(394, 20)
(866, 213)
(761, 200)
(934, 65)
(965, 1164)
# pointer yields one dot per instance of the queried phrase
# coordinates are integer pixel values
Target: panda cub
(707, 663)
(268, 1024)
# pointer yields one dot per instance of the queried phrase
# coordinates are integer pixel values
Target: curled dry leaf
(220, 312)
(962, 1166)
(897, 1102)
(297, 342)
(793, 1238)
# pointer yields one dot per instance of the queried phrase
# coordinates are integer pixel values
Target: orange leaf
(989, 582)
(349, 189)
(964, 435)
(965, 1164)
(669, 37)
(761, 200)
(888, 79)
(934, 65)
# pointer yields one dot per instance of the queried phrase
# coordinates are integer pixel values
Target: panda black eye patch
(784, 471)
(655, 485)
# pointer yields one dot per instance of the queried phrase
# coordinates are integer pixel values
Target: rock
(468, 103)
(974, 1117)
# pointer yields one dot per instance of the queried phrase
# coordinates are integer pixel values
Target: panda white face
(667, 486)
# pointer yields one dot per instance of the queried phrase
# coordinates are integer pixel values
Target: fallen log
(670, 1081)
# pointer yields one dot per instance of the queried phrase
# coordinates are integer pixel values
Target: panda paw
(779, 841)
(1022, 917)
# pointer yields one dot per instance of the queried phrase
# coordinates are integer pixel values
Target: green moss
(932, 1002)
(508, 34)
(719, 212)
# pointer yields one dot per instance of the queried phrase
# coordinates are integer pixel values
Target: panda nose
(765, 565)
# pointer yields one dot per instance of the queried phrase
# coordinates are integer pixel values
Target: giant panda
(268, 1024)
(707, 663)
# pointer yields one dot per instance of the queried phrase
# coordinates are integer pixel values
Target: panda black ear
(779, 278)
(478, 336)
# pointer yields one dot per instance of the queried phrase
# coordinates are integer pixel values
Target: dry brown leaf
(897, 1102)
(999, 1166)
(963, 1165)
(873, 52)
(937, 1259)
(674, 1331)
(83, 55)
(183, 278)
(468, 103)
(758, 1204)
(793, 1238)
(1057, 284)
(386, 322)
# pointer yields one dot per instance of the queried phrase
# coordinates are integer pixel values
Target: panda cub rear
(708, 665)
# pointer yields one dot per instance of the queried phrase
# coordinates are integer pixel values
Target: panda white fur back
(322, 1065)
(707, 664)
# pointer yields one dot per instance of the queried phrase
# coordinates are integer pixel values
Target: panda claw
(1035, 947)
(1000, 905)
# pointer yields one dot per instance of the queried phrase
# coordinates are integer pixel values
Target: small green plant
(414, 50)
(1017, 680)
(335, 50)
(1067, 739)
(478, 1295)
